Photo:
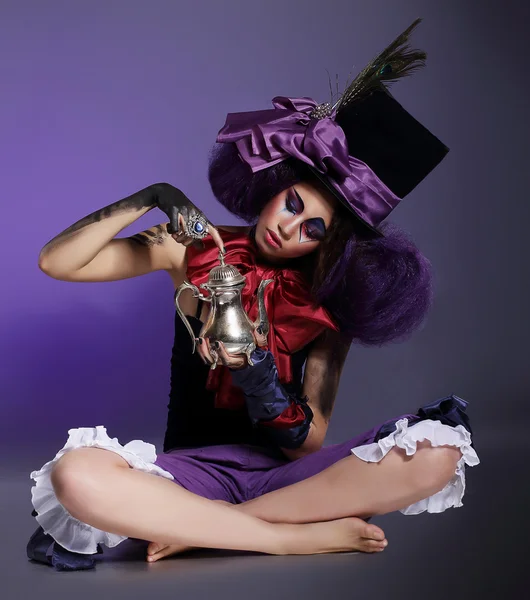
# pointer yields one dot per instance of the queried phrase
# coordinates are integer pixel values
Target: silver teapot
(227, 322)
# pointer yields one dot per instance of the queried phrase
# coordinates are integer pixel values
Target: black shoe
(44, 549)
(39, 547)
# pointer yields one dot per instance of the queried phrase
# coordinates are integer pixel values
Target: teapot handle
(196, 294)
(262, 313)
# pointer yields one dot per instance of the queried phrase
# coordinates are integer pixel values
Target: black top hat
(397, 147)
(399, 150)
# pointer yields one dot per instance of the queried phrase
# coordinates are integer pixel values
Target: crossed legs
(318, 514)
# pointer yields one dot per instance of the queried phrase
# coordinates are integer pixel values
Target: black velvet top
(193, 420)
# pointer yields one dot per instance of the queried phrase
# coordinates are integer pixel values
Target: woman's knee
(72, 473)
(437, 466)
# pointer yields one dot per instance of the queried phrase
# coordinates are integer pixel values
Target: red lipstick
(272, 239)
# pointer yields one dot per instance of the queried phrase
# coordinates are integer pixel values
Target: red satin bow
(294, 322)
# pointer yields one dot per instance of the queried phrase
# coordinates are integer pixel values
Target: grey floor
(477, 551)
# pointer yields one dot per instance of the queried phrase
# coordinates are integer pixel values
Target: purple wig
(378, 289)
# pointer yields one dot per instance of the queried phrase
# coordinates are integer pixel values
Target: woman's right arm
(87, 250)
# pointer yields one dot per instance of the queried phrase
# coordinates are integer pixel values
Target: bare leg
(97, 487)
(364, 538)
(351, 487)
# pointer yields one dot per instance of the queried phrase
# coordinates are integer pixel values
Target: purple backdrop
(100, 99)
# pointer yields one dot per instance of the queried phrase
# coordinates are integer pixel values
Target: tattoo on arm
(152, 236)
(142, 199)
(323, 370)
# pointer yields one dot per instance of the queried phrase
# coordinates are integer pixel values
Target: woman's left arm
(323, 369)
(296, 425)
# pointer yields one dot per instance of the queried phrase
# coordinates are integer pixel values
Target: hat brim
(365, 227)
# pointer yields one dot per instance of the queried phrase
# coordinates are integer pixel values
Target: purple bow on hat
(267, 137)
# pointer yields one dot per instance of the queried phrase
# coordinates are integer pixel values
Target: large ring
(215, 356)
(197, 226)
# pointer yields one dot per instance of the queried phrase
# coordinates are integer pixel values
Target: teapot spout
(262, 320)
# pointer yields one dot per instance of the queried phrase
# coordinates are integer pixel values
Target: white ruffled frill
(69, 532)
(438, 434)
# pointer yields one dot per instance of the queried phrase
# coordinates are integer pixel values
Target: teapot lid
(225, 275)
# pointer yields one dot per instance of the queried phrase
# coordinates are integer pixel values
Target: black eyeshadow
(317, 223)
(299, 199)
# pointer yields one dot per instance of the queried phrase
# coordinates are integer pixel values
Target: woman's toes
(165, 550)
(373, 532)
(372, 545)
(157, 556)
(156, 551)
(153, 548)
(375, 545)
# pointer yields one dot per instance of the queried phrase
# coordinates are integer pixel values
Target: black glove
(174, 202)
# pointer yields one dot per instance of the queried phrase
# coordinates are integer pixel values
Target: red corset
(294, 322)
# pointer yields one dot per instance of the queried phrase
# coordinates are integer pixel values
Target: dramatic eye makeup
(311, 230)
(293, 202)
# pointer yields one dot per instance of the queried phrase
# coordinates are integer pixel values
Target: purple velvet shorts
(236, 473)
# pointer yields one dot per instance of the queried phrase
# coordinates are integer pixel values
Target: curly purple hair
(378, 289)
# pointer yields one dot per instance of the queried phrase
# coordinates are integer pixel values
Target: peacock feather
(395, 61)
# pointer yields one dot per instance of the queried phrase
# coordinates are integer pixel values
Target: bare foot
(350, 534)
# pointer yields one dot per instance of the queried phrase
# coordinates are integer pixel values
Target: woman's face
(294, 222)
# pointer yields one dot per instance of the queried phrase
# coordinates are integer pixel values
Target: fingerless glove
(283, 416)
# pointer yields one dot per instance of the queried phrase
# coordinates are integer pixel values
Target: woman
(243, 465)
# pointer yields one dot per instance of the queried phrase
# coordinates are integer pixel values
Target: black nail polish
(217, 344)
(200, 340)
(260, 330)
(224, 250)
